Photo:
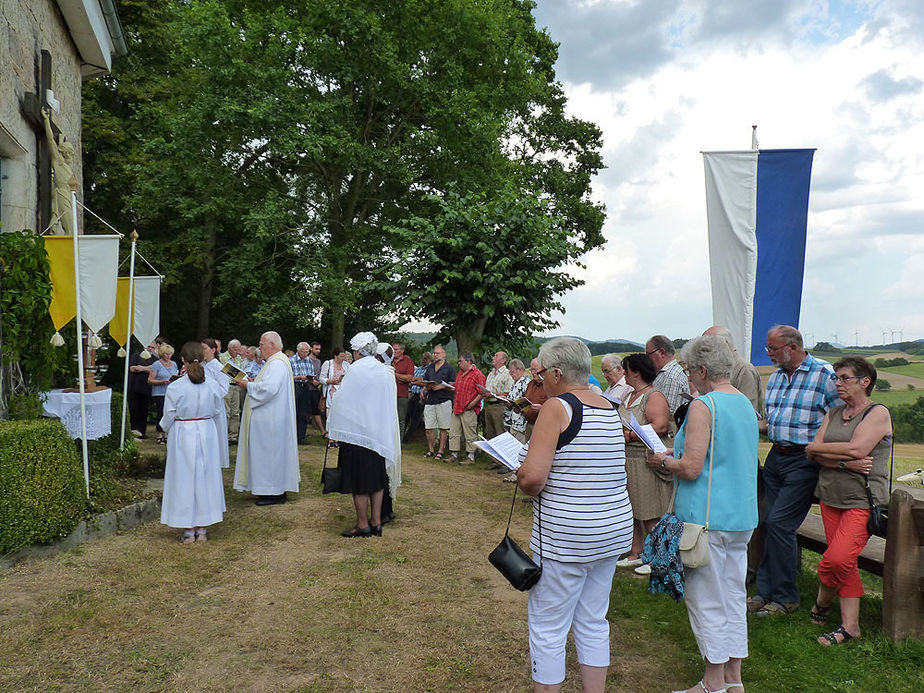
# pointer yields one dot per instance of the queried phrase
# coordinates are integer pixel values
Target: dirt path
(277, 600)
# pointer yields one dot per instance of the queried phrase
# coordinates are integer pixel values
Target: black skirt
(362, 470)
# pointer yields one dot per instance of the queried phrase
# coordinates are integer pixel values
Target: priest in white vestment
(267, 452)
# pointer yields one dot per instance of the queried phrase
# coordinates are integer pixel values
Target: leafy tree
(485, 266)
(883, 385)
(273, 146)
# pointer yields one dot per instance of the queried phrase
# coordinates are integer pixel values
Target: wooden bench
(899, 559)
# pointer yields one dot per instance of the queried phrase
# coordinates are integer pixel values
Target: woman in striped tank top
(574, 465)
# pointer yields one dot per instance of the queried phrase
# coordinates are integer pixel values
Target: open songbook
(503, 448)
(646, 434)
(233, 372)
(438, 382)
(521, 404)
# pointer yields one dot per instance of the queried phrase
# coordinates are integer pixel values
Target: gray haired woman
(574, 464)
(715, 463)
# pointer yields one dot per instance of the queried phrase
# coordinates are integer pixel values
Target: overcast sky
(667, 79)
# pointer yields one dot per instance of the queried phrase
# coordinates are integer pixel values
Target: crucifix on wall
(55, 155)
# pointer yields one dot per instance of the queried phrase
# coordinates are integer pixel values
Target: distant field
(912, 370)
(892, 397)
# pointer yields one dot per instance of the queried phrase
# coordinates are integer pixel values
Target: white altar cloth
(66, 406)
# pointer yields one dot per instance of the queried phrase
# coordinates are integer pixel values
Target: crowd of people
(597, 490)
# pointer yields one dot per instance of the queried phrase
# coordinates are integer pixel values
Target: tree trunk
(468, 337)
(206, 279)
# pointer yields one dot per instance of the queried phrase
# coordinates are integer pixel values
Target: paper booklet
(520, 404)
(503, 448)
(646, 434)
(233, 372)
(438, 382)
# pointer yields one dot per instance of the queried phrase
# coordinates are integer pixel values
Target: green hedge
(42, 492)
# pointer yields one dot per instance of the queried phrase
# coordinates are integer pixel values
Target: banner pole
(80, 369)
(130, 324)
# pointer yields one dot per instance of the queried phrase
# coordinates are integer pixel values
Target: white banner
(99, 271)
(147, 309)
(731, 208)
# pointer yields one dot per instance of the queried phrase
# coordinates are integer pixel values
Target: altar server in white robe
(267, 452)
(194, 495)
(213, 372)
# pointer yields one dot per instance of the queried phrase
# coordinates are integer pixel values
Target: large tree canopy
(278, 157)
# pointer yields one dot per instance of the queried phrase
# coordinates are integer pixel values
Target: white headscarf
(365, 343)
(383, 352)
(366, 413)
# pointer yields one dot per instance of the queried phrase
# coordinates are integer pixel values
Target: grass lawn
(277, 600)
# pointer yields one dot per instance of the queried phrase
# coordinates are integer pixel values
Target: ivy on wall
(25, 294)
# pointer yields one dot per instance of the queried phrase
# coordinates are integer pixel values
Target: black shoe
(387, 518)
(357, 532)
(376, 530)
(493, 466)
(271, 500)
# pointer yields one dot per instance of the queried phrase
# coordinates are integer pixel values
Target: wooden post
(903, 572)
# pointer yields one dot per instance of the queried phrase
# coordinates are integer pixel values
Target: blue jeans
(789, 487)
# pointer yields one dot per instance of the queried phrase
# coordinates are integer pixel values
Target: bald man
(267, 454)
(744, 377)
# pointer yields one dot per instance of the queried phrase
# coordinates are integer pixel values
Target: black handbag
(512, 561)
(878, 521)
(330, 477)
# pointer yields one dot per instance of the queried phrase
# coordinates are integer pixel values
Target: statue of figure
(62, 156)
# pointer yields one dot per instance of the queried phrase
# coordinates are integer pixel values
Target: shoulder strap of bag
(510, 517)
(670, 507)
(712, 417)
(891, 454)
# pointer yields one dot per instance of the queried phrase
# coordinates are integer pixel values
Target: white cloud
(856, 93)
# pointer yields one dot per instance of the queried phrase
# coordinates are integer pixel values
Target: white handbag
(694, 542)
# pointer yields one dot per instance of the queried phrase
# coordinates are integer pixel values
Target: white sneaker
(628, 562)
(644, 569)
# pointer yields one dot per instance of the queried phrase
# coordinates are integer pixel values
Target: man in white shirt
(498, 381)
(611, 367)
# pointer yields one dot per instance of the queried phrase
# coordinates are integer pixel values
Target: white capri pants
(569, 596)
(717, 598)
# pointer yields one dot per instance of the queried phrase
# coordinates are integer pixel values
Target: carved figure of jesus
(62, 156)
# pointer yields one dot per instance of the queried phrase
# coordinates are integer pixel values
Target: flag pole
(754, 137)
(80, 371)
(130, 324)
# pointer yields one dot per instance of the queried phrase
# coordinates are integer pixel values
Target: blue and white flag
(757, 205)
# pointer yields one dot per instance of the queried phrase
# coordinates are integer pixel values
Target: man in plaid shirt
(466, 404)
(799, 393)
(670, 380)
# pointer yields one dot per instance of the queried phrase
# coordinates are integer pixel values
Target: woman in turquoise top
(715, 593)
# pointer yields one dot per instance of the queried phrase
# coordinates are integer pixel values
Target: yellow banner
(118, 324)
(63, 306)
